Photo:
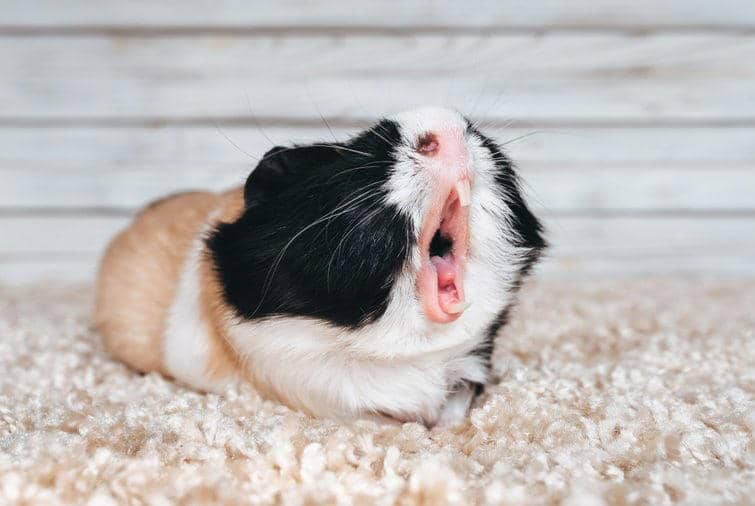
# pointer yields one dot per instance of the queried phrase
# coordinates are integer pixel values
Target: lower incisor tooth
(458, 307)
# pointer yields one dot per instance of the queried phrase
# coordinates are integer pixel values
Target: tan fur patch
(139, 274)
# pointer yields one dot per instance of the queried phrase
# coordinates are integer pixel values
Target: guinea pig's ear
(269, 175)
(281, 166)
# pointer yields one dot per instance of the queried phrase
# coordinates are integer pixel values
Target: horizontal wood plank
(299, 13)
(644, 189)
(569, 189)
(44, 237)
(566, 170)
(557, 77)
(580, 246)
(104, 150)
(17, 272)
(639, 245)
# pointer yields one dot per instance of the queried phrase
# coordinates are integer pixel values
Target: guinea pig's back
(140, 272)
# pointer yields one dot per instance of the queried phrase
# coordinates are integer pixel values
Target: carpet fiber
(630, 392)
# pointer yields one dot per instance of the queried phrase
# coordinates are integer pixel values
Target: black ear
(268, 176)
(281, 166)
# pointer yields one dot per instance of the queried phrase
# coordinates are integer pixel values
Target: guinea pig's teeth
(458, 307)
(463, 191)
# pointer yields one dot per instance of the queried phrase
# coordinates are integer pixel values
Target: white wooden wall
(633, 122)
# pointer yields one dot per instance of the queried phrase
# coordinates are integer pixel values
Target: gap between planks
(282, 31)
(357, 122)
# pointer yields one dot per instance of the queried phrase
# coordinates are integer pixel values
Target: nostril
(427, 144)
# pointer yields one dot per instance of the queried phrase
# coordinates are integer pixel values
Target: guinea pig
(348, 279)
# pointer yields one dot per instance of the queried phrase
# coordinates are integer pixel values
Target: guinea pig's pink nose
(428, 144)
(447, 153)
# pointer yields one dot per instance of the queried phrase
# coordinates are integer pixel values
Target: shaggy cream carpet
(622, 392)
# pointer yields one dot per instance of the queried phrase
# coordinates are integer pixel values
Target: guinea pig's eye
(427, 144)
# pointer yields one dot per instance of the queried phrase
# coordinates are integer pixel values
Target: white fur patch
(457, 404)
(309, 363)
(186, 342)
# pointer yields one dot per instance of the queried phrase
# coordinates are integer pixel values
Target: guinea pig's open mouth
(443, 242)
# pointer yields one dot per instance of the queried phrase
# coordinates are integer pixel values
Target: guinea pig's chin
(443, 249)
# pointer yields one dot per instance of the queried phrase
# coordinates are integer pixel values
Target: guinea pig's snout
(448, 162)
(446, 154)
(445, 231)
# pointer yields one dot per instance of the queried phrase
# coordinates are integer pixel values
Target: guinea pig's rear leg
(457, 404)
(139, 274)
(128, 313)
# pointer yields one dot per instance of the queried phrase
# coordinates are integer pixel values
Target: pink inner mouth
(443, 242)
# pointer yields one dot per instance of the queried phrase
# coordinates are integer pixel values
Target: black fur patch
(316, 238)
(527, 227)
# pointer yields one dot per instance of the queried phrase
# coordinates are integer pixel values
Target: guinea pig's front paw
(456, 408)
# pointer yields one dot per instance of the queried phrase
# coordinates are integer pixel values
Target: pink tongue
(447, 272)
